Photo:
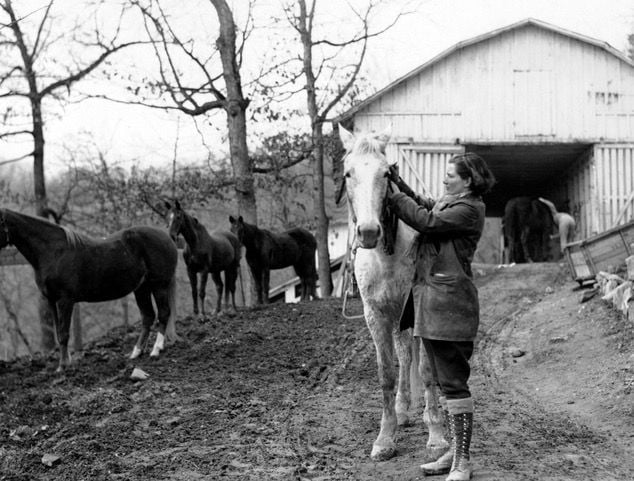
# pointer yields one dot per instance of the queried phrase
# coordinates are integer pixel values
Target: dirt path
(291, 393)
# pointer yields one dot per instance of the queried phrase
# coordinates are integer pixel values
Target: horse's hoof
(136, 352)
(437, 449)
(382, 453)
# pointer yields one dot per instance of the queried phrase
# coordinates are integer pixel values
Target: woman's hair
(472, 166)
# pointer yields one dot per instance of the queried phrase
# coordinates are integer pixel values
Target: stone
(51, 460)
(139, 374)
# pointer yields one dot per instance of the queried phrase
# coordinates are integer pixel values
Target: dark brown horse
(206, 253)
(267, 250)
(71, 268)
(528, 224)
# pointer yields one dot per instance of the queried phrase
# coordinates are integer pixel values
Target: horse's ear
(177, 204)
(347, 137)
(240, 220)
(232, 219)
(168, 206)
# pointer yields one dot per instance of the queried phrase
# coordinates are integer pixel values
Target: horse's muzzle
(368, 235)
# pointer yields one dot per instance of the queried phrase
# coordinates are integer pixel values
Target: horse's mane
(367, 144)
(73, 238)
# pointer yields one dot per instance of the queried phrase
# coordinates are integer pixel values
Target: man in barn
(444, 299)
(565, 224)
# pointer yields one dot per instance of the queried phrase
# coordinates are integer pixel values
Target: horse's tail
(170, 329)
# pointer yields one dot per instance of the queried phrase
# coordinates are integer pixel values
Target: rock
(557, 339)
(51, 460)
(139, 374)
(516, 352)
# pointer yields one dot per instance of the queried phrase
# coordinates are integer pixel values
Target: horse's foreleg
(143, 298)
(402, 343)
(161, 297)
(193, 282)
(266, 277)
(62, 313)
(432, 414)
(384, 446)
(524, 242)
(231, 276)
(202, 289)
(219, 287)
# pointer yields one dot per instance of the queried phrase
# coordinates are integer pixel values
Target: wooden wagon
(602, 252)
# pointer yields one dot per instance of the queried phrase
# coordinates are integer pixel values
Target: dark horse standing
(267, 250)
(71, 268)
(528, 224)
(206, 253)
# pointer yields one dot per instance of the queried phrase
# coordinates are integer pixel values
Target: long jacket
(445, 300)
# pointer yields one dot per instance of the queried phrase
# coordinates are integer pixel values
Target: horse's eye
(347, 174)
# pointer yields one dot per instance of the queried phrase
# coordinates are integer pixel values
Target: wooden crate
(601, 252)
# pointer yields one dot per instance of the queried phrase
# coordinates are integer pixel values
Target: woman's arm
(461, 217)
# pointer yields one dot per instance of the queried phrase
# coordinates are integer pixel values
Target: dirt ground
(290, 392)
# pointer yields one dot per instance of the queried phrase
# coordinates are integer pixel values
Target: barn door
(423, 166)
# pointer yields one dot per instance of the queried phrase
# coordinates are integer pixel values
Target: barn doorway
(524, 169)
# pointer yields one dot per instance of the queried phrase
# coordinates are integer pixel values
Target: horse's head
(237, 227)
(366, 171)
(176, 218)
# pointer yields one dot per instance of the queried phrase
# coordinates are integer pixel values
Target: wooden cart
(602, 252)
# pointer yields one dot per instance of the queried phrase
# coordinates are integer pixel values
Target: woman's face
(454, 184)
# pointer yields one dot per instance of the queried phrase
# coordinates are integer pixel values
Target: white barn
(551, 111)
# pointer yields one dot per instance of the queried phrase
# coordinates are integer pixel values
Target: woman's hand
(400, 183)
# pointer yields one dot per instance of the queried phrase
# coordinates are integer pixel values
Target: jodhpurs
(449, 362)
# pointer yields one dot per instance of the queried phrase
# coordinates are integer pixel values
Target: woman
(445, 300)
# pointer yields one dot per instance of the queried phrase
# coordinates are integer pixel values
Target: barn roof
(481, 38)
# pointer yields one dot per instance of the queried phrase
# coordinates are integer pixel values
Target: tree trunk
(47, 323)
(321, 219)
(236, 106)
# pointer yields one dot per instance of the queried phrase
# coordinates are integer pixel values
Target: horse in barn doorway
(266, 250)
(206, 253)
(528, 225)
(384, 271)
(70, 268)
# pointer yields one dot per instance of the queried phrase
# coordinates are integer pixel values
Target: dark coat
(445, 300)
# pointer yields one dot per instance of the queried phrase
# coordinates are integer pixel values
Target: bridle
(388, 219)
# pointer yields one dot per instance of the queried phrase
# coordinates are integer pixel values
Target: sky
(137, 135)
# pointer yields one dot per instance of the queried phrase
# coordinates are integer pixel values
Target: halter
(388, 219)
(5, 227)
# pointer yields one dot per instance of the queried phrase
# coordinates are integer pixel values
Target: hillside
(290, 392)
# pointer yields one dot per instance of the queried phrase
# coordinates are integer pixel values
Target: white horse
(384, 280)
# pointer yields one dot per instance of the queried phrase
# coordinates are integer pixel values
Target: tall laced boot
(461, 417)
(442, 465)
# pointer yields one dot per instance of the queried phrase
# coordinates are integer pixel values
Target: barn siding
(615, 184)
(423, 166)
(527, 82)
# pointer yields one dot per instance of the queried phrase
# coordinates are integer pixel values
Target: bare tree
(199, 80)
(31, 71)
(330, 77)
